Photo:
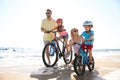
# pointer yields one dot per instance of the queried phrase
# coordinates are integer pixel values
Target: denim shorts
(66, 36)
(46, 42)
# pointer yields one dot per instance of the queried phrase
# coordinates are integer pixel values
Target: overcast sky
(20, 20)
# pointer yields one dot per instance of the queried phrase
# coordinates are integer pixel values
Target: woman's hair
(72, 30)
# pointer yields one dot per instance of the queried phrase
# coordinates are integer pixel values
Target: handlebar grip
(47, 31)
(62, 30)
(88, 40)
(55, 31)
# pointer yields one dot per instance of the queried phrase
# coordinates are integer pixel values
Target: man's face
(48, 14)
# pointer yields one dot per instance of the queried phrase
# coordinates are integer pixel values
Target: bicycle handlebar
(55, 31)
(83, 42)
(88, 40)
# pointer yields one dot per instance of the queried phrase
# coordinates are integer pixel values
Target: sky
(20, 20)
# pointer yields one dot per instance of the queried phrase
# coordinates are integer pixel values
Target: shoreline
(107, 67)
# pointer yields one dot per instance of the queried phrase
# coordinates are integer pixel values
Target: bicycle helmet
(59, 20)
(88, 23)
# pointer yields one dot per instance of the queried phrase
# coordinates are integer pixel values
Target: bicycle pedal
(67, 59)
(60, 55)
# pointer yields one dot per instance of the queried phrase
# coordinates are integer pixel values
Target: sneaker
(60, 55)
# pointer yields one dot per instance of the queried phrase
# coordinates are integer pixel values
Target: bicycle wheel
(50, 58)
(91, 66)
(67, 59)
(79, 66)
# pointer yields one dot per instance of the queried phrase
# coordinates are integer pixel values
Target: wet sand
(106, 68)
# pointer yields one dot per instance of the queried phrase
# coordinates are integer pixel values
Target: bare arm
(54, 28)
(91, 37)
(83, 40)
(43, 30)
(70, 43)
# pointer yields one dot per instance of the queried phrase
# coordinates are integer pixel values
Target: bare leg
(47, 54)
(70, 44)
(66, 43)
(90, 55)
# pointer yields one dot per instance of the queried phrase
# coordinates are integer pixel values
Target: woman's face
(75, 31)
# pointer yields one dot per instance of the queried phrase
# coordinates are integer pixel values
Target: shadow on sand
(66, 73)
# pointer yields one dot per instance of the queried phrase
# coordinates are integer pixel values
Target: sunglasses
(75, 30)
(47, 13)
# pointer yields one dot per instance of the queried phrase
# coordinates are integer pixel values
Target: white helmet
(89, 23)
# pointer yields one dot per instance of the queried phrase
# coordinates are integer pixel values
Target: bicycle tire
(79, 68)
(91, 66)
(68, 59)
(46, 63)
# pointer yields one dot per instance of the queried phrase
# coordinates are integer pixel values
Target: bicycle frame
(84, 54)
(57, 46)
(55, 51)
(81, 61)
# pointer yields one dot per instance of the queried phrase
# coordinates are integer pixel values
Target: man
(48, 25)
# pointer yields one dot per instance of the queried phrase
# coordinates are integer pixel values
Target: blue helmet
(89, 23)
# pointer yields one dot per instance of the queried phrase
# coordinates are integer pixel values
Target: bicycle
(81, 61)
(55, 52)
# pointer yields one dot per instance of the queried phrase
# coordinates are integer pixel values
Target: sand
(106, 68)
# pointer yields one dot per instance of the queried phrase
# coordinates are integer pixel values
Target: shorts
(46, 42)
(87, 47)
(66, 36)
(76, 48)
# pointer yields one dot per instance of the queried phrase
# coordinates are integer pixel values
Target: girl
(63, 33)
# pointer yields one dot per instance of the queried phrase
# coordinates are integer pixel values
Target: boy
(88, 36)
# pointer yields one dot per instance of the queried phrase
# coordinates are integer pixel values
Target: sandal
(90, 61)
(67, 55)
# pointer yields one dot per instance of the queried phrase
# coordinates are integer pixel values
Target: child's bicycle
(55, 51)
(81, 61)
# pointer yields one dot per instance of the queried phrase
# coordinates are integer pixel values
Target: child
(88, 35)
(63, 33)
(75, 41)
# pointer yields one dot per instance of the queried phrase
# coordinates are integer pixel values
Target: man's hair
(49, 10)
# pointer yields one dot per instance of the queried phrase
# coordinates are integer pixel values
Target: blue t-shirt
(87, 36)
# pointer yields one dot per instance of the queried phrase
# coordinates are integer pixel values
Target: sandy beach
(106, 68)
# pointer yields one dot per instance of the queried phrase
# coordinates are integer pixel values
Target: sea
(15, 57)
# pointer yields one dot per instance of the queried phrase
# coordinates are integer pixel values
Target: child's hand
(88, 40)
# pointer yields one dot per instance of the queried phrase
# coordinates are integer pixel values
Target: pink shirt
(63, 33)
